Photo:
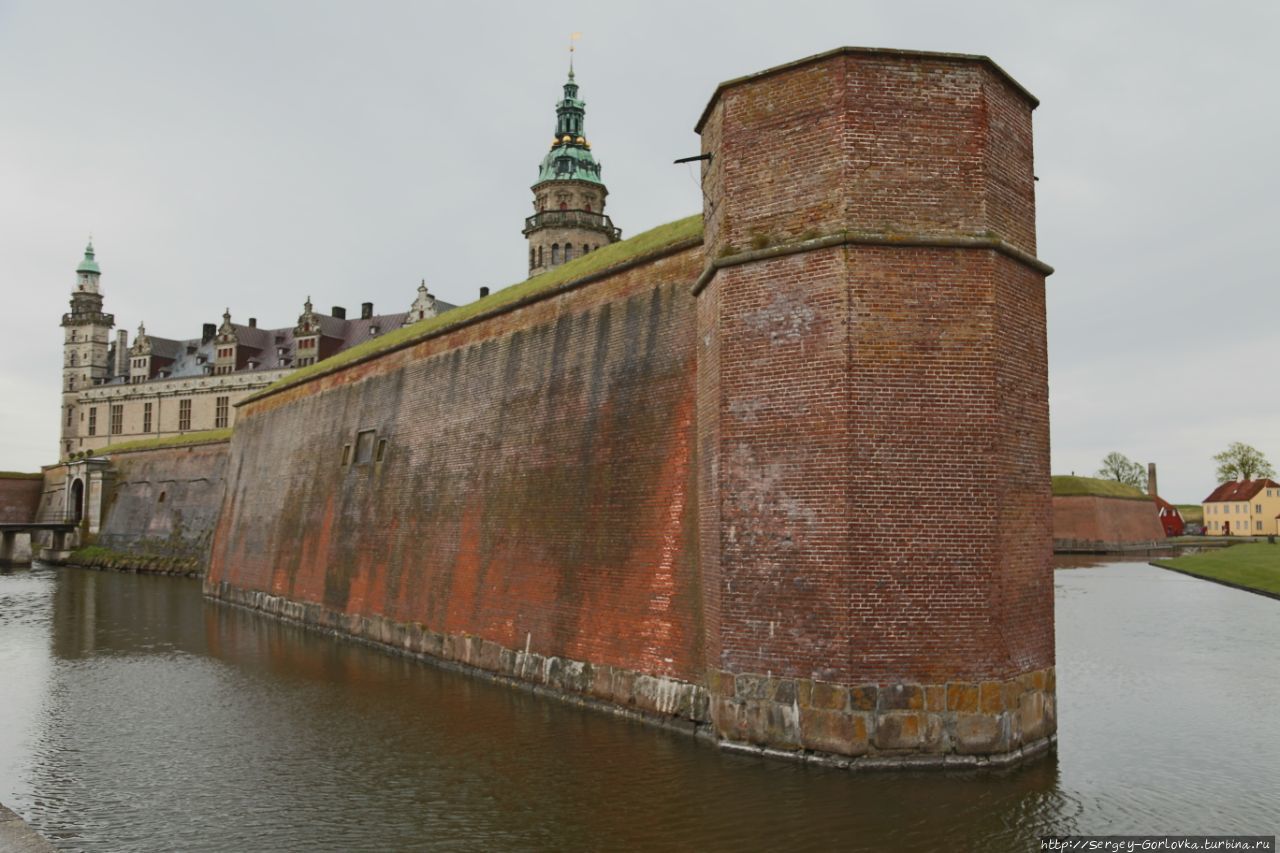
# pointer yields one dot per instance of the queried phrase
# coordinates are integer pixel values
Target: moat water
(134, 716)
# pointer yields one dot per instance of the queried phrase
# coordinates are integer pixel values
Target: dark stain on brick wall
(535, 490)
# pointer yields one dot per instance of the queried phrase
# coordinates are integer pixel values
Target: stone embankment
(17, 837)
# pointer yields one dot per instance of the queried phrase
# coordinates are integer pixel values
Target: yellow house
(1243, 508)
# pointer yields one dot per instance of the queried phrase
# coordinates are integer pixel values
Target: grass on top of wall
(1071, 486)
(19, 475)
(1255, 565)
(207, 436)
(600, 260)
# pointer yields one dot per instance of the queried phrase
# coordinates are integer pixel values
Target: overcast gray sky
(249, 154)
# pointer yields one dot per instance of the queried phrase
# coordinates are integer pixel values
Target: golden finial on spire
(573, 37)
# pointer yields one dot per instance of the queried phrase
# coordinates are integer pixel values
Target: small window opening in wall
(346, 453)
(161, 498)
(382, 450)
(364, 446)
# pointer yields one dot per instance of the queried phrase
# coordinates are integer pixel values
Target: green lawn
(1255, 565)
(1191, 513)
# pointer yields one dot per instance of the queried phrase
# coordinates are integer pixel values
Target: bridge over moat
(9, 531)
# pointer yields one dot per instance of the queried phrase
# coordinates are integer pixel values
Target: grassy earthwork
(1070, 486)
(1252, 565)
(653, 241)
(1191, 513)
(206, 436)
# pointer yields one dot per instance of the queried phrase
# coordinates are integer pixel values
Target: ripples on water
(139, 718)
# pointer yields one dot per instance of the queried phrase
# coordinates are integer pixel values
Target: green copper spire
(570, 156)
(89, 264)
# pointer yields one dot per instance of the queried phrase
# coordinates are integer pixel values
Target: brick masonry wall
(874, 142)
(876, 453)
(807, 499)
(163, 504)
(536, 489)
(19, 499)
(1083, 521)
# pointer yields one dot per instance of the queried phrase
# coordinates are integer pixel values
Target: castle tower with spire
(85, 346)
(568, 199)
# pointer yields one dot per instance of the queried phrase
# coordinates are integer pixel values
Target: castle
(776, 474)
(114, 392)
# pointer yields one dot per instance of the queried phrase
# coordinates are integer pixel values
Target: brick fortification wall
(534, 491)
(790, 487)
(19, 502)
(19, 499)
(1089, 523)
(150, 510)
(160, 509)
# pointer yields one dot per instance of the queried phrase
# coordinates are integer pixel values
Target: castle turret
(85, 346)
(569, 197)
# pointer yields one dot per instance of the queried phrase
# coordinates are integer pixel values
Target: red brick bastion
(778, 475)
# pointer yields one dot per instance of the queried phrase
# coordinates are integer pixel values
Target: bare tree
(1122, 469)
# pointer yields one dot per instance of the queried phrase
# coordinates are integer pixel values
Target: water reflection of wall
(97, 613)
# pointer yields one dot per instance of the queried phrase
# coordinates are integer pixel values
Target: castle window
(93, 420)
(555, 253)
(382, 451)
(568, 252)
(73, 359)
(117, 419)
(146, 417)
(539, 256)
(346, 453)
(364, 446)
(588, 207)
(564, 205)
(530, 257)
(220, 413)
(184, 414)
(585, 248)
(70, 411)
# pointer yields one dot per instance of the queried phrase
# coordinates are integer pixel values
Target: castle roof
(89, 264)
(276, 348)
(570, 157)
(166, 347)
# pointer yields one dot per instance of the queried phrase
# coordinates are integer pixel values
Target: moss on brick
(1071, 486)
(606, 258)
(100, 557)
(209, 436)
(18, 475)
